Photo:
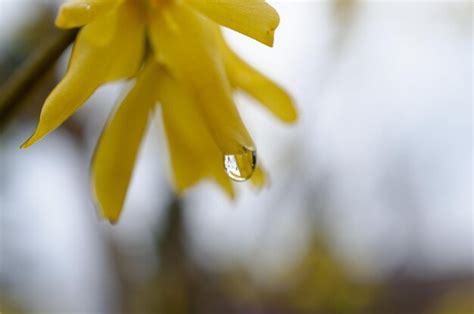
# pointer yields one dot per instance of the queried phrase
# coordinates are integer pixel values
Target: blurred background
(369, 208)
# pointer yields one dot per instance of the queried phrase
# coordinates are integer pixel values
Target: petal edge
(254, 18)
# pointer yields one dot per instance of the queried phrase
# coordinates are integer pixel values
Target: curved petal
(77, 13)
(92, 66)
(254, 18)
(117, 149)
(194, 154)
(260, 178)
(244, 76)
(185, 43)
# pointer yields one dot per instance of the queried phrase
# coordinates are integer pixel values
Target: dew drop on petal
(240, 167)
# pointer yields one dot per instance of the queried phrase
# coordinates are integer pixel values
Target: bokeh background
(369, 208)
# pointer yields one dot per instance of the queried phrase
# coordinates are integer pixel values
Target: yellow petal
(259, 178)
(92, 66)
(245, 77)
(186, 44)
(254, 18)
(194, 154)
(117, 150)
(77, 13)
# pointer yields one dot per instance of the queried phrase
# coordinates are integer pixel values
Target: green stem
(21, 82)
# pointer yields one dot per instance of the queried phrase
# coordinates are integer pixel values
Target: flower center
(156, 3)
(148, 8)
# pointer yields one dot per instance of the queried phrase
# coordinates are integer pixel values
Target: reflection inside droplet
(240, 167)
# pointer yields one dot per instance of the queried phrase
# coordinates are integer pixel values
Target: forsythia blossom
(177, 55)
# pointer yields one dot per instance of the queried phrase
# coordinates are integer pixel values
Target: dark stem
(40, 61)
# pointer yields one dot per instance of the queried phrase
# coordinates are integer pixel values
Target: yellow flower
(175, 51)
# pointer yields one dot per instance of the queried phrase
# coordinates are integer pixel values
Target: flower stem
(32, 70)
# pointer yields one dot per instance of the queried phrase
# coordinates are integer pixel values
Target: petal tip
(104, 211)
(112, 221)
(65, 18)
(292, 118)
(270, 40)
(25, 145)
(295, 116)
(60, 22)
(31, 140)
(103, 217)
(286, 111)
(112, 216)
(231, 195)
(271, 31)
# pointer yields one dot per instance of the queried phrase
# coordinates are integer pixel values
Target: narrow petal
(117, 150)
(254, 18)
(92, 66)
(259, 178)
(194, 154)
(245, 77)
(185, 43)
(77, 13)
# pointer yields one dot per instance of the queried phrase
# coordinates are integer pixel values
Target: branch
(21, 82)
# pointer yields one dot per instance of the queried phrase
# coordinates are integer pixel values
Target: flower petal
(254, 18)
(117, 149)
(194, 154)
(92, 66)
(244, 76)
(186, 44)
(77, 13)
(260, 178)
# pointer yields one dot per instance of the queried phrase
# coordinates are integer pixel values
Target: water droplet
(240, 167)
